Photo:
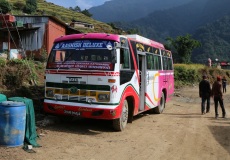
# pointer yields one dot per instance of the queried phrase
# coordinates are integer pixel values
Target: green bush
(18, 5)
(30, 7)
(189, 74)
(2, 62)
(185, 75)
(15, 73)
(5, 6)
(44, 55)
(15, 76)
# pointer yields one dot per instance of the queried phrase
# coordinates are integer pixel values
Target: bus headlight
(90, 100)
(103, 97)
(49, 93)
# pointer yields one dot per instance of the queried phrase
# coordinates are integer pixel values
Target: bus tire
(120, 123)
(159, 109)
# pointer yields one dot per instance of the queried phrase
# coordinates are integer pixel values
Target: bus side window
(166, 63)
(156, 62)
(124, 58)
(121, 58)
(150, 62)
(169, 64)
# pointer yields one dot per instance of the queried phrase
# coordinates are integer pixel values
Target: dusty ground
(180, 133)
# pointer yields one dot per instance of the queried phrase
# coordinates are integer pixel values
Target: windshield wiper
(65, 60)
(68, 57)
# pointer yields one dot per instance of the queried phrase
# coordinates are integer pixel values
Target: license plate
(72, 113)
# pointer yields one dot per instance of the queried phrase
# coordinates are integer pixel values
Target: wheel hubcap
(124, 114)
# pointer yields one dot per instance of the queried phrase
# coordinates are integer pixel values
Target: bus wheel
(120, 123)
(159, 109)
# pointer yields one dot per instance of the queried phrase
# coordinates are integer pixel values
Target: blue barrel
(12, 123)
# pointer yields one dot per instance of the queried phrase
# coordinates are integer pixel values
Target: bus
(107, 76)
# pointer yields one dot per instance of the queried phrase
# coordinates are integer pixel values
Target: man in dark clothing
(205, 93)
(218, 96)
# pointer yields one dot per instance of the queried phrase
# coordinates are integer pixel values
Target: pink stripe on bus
(102, 36)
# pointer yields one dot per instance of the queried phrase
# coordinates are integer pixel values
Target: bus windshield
(82, 55)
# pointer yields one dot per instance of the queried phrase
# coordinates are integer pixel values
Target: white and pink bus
(107, 76)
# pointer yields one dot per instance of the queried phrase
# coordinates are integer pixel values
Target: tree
(18, 6)
(5, 6)
(184, 45)
(86, 12)
(31, 6)
(76, 9)
(133, 31)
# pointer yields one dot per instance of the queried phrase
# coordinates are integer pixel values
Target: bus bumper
(82, 111)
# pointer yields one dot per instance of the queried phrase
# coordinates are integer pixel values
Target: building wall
(54, 30)
(37, 35)
(32, 40)
(82, 25)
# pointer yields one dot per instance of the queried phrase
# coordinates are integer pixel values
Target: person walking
(224, 84)
(205, 94)
(218, 96)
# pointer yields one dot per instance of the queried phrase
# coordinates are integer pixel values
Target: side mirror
(117, 45)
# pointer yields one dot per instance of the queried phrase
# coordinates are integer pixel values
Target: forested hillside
(215, 39)
(64, 14)
(129, 10)
(206, 20)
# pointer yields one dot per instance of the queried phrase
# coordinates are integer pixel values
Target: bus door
(167, 67)
(142, 74)
(169, 76)
(166, 73)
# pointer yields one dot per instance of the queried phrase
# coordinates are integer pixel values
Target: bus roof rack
(145, 40)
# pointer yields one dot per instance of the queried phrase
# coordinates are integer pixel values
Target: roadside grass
(191, 74)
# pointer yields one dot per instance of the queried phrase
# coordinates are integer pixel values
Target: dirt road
(180, 133)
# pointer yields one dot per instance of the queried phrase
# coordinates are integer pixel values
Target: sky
(83, 4)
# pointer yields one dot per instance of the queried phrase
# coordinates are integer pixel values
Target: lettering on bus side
(85, 110)
(57, 107)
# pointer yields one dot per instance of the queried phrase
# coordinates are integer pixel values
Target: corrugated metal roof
(52, 18)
